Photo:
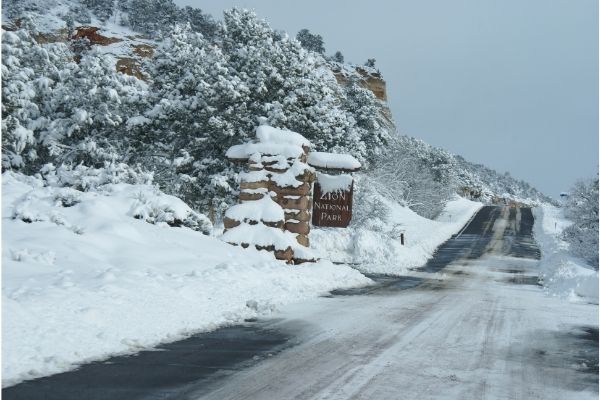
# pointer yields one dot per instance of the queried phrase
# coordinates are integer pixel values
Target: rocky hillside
(171, 89)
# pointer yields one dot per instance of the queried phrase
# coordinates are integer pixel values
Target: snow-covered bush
(582, 209)
(85, 178)
(155, 207)
(50, 194)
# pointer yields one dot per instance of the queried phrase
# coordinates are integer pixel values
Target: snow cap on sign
(334, 183)
(333, 161)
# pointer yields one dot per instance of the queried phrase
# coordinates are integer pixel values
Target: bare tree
(582, 209)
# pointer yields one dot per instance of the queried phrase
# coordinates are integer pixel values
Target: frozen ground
(83, 279)
(564, 275)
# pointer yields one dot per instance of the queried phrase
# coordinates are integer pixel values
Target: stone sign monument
(274, 212)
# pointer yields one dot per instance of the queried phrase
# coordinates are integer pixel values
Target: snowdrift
(376, 248)
(563, 274)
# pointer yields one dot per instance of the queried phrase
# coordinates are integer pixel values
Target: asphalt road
(473, 323)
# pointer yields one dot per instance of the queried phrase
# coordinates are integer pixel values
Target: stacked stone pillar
(277, 168)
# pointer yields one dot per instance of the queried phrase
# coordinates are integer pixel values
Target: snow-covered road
(480, 328)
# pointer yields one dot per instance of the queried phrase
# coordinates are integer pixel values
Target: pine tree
(184, 135)
(29, 73)
(338, 57)
(103, 9)
(311, 41)
(152, 17)
(55, 110)
(199, 22)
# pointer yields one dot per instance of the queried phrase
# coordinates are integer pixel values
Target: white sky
(511, 84)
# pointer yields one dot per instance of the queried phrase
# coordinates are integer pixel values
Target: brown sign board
(333, 209)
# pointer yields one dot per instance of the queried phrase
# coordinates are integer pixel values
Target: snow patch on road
(564, 275)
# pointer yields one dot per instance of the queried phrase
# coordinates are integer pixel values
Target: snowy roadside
(84, 279)
(377, 248)
(564, 275)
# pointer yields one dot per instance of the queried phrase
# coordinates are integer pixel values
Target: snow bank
(564, 275)
(85, 279)
(331, 160)
(376, 248)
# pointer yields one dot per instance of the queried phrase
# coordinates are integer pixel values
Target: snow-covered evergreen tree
(29, 73)
(192, 119)
(292, 87)
(56, 110)
(103, 9)
(338, 57)
(311, 41)
(151, 16)
(199, 21)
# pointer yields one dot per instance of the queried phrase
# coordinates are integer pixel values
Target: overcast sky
(512, 84)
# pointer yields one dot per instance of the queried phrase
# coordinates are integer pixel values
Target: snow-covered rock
(261, 235)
